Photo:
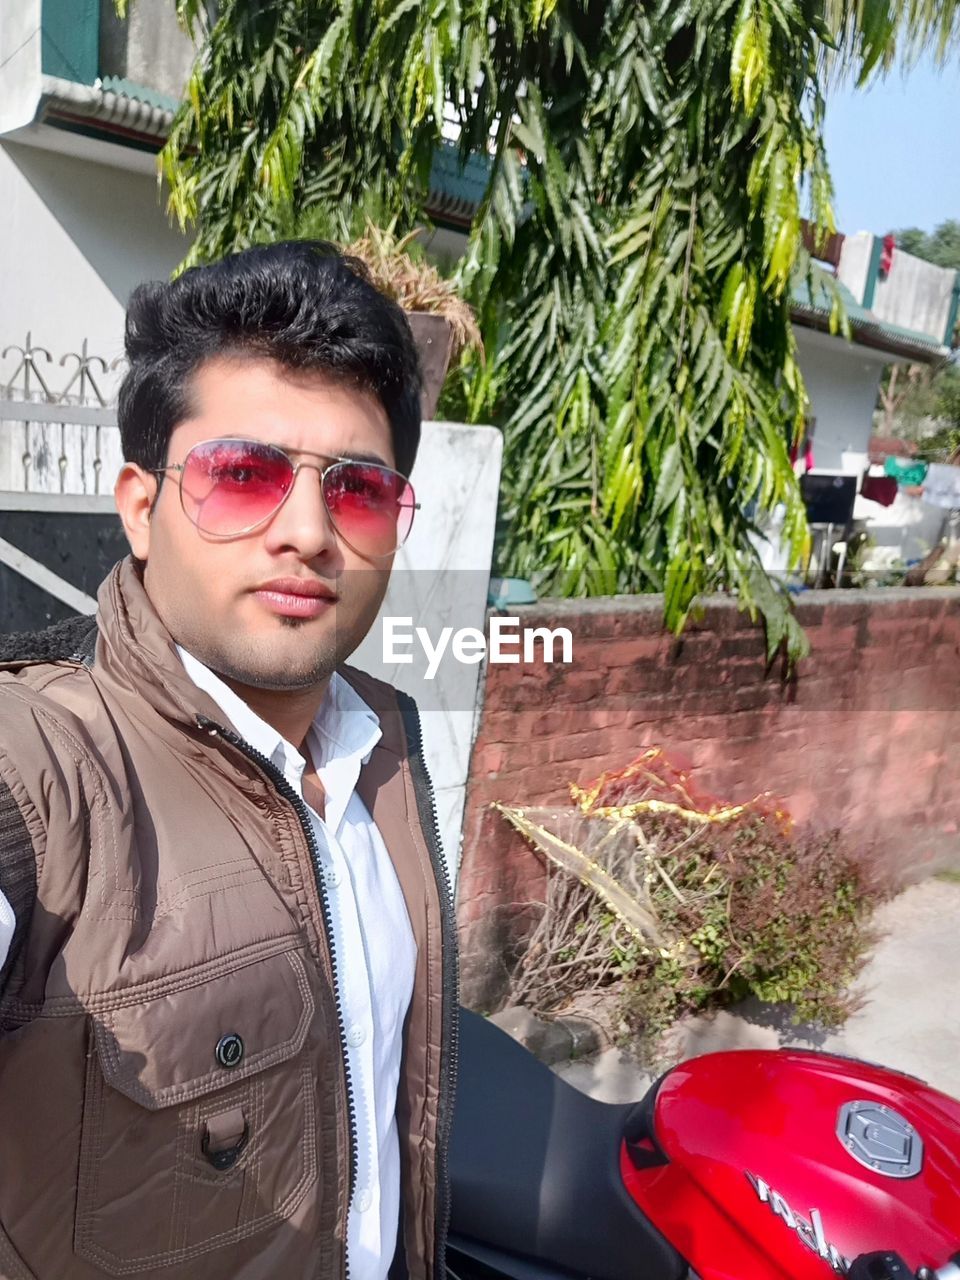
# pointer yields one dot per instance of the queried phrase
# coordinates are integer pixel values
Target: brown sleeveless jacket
(173, 1096)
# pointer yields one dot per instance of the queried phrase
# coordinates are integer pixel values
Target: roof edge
(875, 336)
(111, 110)
(115, 107)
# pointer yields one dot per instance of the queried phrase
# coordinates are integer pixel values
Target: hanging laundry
(905, 470)
(941, 488)
(882, 489)
(886, 256)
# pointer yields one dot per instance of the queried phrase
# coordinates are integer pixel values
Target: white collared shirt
(372, 941)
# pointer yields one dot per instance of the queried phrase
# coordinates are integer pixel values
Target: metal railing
(57, 441)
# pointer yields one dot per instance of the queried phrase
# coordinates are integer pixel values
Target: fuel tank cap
(880, 1139)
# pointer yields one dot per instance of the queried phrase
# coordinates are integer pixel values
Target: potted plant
(443, 324)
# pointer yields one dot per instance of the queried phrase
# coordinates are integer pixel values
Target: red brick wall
(867, 737)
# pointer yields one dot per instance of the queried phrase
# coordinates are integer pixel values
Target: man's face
(231, 602)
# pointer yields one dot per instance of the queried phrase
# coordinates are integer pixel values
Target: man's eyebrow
(358, 455)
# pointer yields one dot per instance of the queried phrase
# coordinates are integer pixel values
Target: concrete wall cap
(556, 606)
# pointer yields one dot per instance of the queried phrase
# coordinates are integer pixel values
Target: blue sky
(894, 150)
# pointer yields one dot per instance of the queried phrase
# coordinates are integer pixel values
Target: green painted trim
(873, 273)
(466, 182)
(70, 39)
(139, 93)
(954, 311)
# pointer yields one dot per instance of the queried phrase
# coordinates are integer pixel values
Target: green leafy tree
(912, 399)
(941, 247)
(631, 258)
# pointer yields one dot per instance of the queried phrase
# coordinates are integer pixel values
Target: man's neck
(290, 711)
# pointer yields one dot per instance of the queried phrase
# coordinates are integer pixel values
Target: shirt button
(363, 1200)
(356, 1036)
(333, 877)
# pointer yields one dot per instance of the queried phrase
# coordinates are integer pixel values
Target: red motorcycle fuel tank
(790, 1164)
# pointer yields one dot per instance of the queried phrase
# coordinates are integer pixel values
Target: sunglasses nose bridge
(321, 468)
(300, 465)
(295, 468)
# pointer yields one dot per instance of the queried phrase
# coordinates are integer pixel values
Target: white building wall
(915, 295)
(19, 63)
(75, 238)
(842, 382)
(148, 46)
(854, 263)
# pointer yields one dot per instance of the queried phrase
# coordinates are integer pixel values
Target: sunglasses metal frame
(291, 455)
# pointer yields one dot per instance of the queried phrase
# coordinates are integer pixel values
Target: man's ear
(134, 494)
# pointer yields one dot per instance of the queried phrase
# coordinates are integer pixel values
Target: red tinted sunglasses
(232, 487)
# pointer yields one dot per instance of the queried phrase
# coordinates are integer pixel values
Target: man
(227, 1008)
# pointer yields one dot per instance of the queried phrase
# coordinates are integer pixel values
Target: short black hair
(302, 303)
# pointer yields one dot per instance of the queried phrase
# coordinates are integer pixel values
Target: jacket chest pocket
(199, 1121)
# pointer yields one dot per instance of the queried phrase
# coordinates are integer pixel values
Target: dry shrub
(683, 904)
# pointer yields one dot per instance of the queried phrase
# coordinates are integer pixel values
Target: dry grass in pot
(415, 284)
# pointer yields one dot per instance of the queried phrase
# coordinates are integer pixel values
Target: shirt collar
(260, 735)
(343, 734)
(344, 726)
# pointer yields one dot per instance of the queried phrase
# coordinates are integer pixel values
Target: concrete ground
(909, 1019)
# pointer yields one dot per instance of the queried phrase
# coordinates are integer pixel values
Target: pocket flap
(209, 1036)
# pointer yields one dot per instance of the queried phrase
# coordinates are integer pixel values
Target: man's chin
(288, 661)
(287, 679)
(287, 682)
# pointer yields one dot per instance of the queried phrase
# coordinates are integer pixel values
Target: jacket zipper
(449, 1054)
(289, 794)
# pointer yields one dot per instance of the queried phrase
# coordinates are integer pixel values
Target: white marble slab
(441, 578)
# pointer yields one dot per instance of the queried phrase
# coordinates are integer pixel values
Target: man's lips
(296, 597)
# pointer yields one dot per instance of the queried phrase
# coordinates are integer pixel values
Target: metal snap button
(230, 1050)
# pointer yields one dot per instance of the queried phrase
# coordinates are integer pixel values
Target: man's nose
(303, 523)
